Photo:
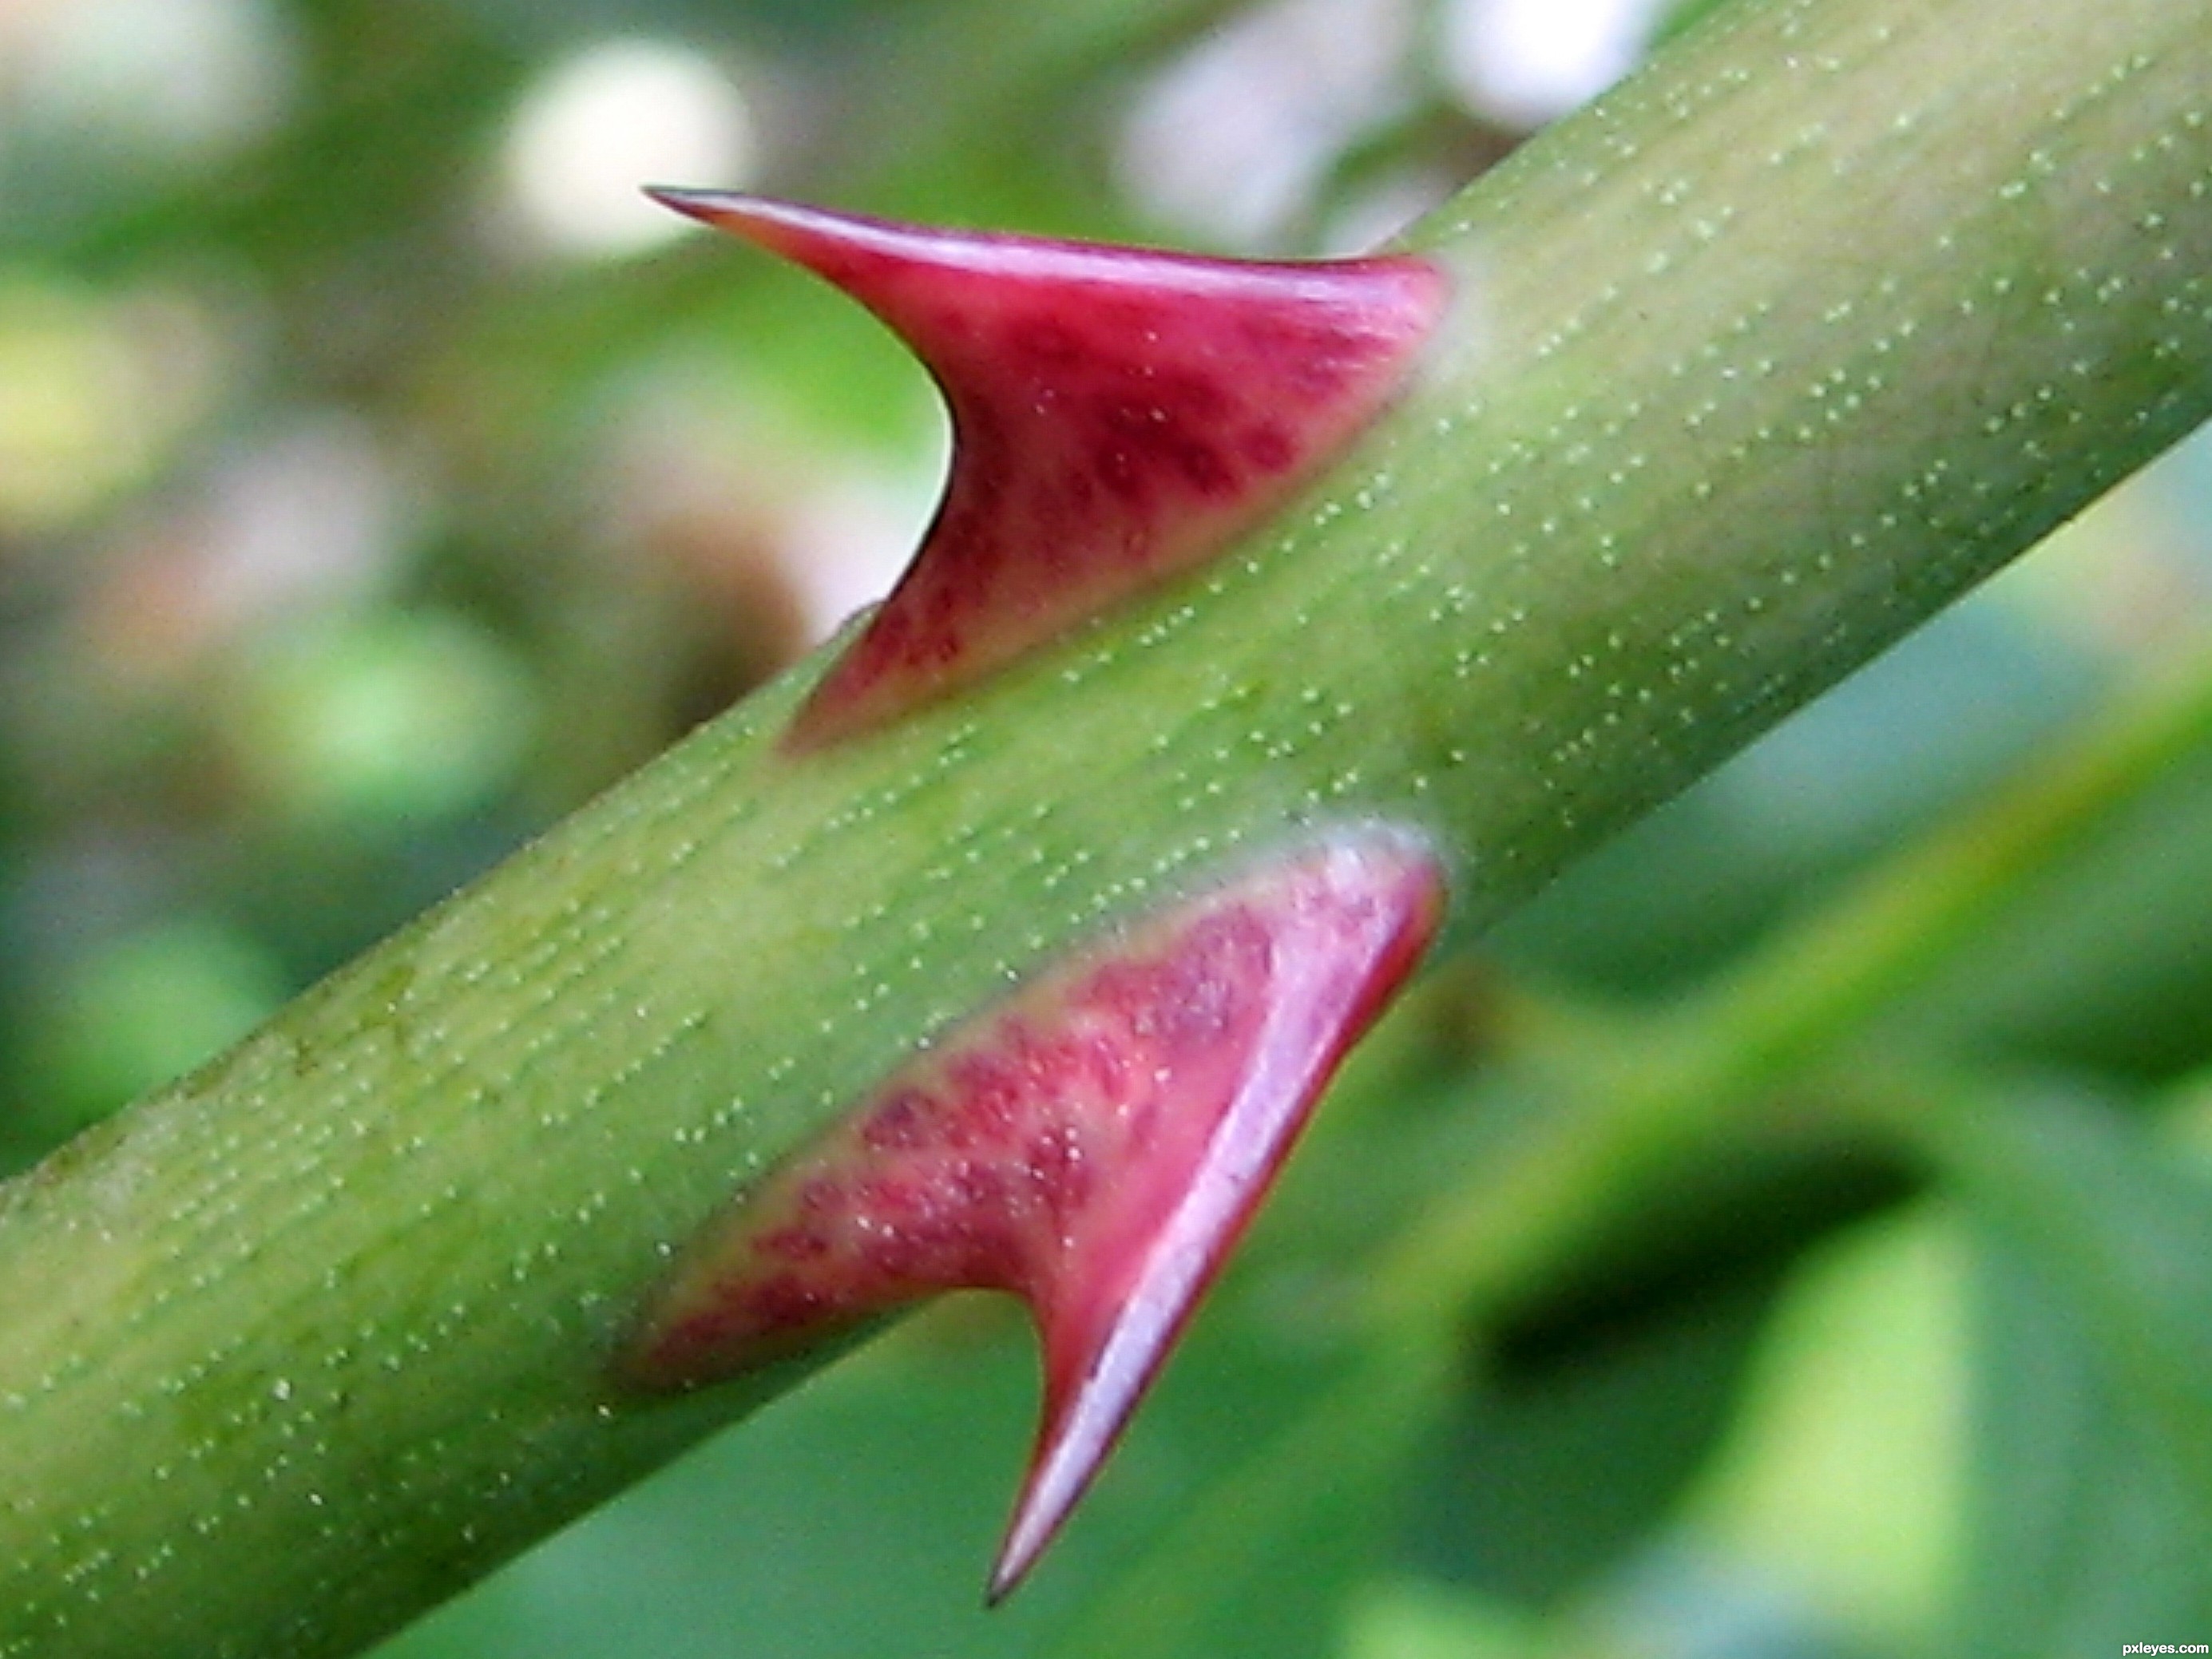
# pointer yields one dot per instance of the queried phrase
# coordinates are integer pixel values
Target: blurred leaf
(2105, 966)
(1691, 1603)
(1548, 1477)
(1421, 1619)
(2118, 1231)
(381, 724)
(2083, 1533)
(143, 1007)
(1264, 1561)
(1835, 1497)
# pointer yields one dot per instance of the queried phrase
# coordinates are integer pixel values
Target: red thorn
(1118, 415)
(1096, 1146)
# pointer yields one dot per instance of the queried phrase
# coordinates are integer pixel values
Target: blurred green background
(380, 475)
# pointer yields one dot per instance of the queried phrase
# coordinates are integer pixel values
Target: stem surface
(1753, 366)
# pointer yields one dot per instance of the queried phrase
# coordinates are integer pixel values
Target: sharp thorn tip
(712, 207)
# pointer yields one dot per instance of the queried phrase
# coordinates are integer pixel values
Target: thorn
(1118, 416)
(1096, 1146)
(1343, 929)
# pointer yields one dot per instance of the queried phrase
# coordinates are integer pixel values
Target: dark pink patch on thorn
(1095, 1145)
(1118, 415)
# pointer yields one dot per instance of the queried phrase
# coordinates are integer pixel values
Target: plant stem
(1830, 312)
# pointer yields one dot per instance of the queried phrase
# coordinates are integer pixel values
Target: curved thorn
(1349, 939)
(1118, 415)
(1096, 1146)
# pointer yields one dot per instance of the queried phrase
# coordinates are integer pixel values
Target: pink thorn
(1096, 1146)
(1118, 416)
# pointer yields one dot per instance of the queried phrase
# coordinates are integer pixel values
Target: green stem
(1826, 314)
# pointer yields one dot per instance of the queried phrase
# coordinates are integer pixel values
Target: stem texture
(1830, 311)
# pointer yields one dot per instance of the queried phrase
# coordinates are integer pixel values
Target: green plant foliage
(1781, 1237)
(2083, 1523)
